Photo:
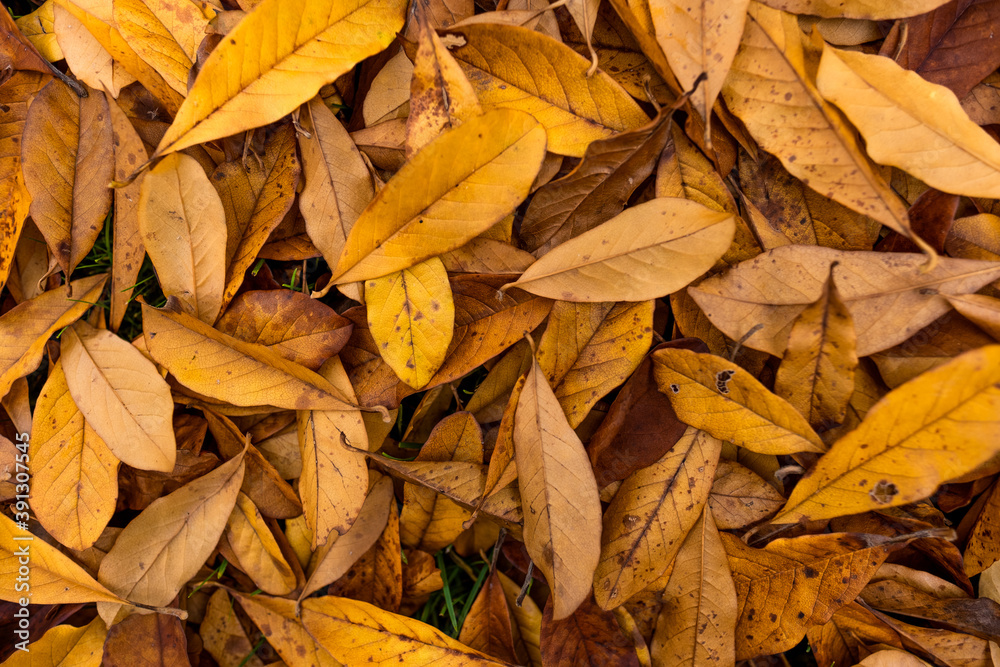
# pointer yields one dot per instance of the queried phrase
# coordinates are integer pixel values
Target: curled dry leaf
(889, 296)
(934, 428)
(225, 100)
(121, 395)
(718, 396)
(67, 162)
(456, 187)
(562, 508)
(248, 544)
(877, 10)
(183, 227)
(647, 251)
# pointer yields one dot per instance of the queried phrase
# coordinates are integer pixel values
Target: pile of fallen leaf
(627, 333)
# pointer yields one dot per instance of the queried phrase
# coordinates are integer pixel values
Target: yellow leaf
(457, 186)
(255, 197)
(121, 395)
(222, 367)
(698, 619)
(588, 349)
(427, 520)
(338, 186)
(858, 9)
(285, 631)
(650, 515)
(770, 90)
(360, 633)
(562, 506)
(334, 478)
(285, 50)
(935, 427)
(517, 68)
(39, 28)
(795, 583)
(66, 154)
(249, 545)
(54, 578)
(716, 395)
(645, 252)
(25, 328)
(96, 16)
(889, 296)
(63, 646)
(911, 123)
(74, 474)
(700, 37)
(183, 227)
(817, 373)
(164, 34)
(332, 560)
(411, 316)
(164, 547)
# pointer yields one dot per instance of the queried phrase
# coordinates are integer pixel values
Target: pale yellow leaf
(62, 646)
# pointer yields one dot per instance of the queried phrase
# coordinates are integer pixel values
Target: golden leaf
(334, 478)
(698, 619)
(647, 251)
(517, 68)
(651, 514)
(39, 28)
(769, 89)
(911, 123)
(794, 583)
(183, 227)
(360, 633)
(562, 507)
(55, 578)
(228, 369)
(457, 186)
(332, 560)
(428, 521)
(223, 635)
(338, 186)
(288, 49)
(588, 349)
(716, 395)
(164, 34)
(163, 548)
(25, 328)
(935, 427)
(285, 631)
(888, 294)
(121, 395)
(817, 373)
(741, 497)
(411, 316)
(66, 154)
(249, 545)
(858, 9)
(74, 474)
(64, 645)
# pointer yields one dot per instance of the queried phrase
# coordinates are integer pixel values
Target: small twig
(527, 584)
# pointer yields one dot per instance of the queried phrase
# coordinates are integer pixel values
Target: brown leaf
(68, 162)
(490, 627)
(740, 497)
(376, 577)
(590, 635)
(223, 635)
(146, 639)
